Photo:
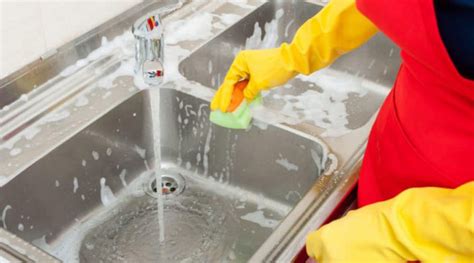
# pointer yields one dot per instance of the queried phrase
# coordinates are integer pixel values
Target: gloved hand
(335, 30)
(263, 68)
(426, 224)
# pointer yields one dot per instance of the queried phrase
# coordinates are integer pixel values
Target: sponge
(238, 115)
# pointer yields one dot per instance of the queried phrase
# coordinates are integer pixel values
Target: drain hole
(170, 184)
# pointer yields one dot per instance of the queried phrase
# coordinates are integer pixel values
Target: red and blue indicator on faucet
(152, 23)
(154, 73)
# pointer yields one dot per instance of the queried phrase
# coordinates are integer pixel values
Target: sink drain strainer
(171, 184)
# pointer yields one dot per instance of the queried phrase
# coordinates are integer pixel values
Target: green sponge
(240, 118)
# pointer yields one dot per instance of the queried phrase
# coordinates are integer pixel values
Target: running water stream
(155, 109)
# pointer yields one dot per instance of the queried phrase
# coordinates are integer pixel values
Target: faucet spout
(149, 53)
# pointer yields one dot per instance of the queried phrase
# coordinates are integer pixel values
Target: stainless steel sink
(224, 202)
(371, 69)
(84, 189)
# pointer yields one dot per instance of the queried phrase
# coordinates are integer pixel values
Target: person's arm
(426, 224)
(338, 28)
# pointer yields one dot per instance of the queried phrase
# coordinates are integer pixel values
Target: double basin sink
(229, 195)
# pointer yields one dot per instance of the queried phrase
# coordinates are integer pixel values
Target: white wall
(29, 28)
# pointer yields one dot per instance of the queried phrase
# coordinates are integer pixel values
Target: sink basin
(363, 77)
(92, 197)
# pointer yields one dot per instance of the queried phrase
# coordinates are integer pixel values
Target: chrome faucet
(148, 32)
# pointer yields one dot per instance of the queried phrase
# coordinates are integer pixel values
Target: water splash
(193, 232)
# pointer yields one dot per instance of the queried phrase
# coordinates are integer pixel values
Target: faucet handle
(148, 25)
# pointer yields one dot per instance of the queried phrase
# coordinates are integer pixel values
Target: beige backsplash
(30, 28)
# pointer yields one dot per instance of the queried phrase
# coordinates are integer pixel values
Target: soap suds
(194, 28)
(325, 109)
(95, 155)
(75, 185)
(287, 165)
(316, 158)
(259, 218)
(107, 47)
(293, 196)
(207, 148)
(122, 177)
(15, 151)
(241, 3)
(81, 101)
(31, 133)
(55, 116)
(4, 216)
(333, 163)
(106, 95)
(229, 19)
(271, 34)
(260, 124)
(106, 195)
(140, 151)
(28, 134)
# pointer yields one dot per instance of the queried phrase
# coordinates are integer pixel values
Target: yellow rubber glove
(425, 224)
(338, 28)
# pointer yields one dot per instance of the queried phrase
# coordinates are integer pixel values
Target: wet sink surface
(88, 198)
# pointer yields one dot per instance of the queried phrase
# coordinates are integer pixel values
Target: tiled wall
(30, 28)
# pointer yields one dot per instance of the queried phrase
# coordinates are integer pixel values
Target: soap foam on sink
(325, 109)
(287, 165)
(122, 177)
(4, 216)
(140, 151)
(271, 34)
(105, 49)
(95, 155)
(196, 27)
(81, 101)
(75, 185)
(229, 19)
(28, 134)
(15, 151)
(106, 195)
(259, 218)
(241, 3)
(207, 148)
(55, 116)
